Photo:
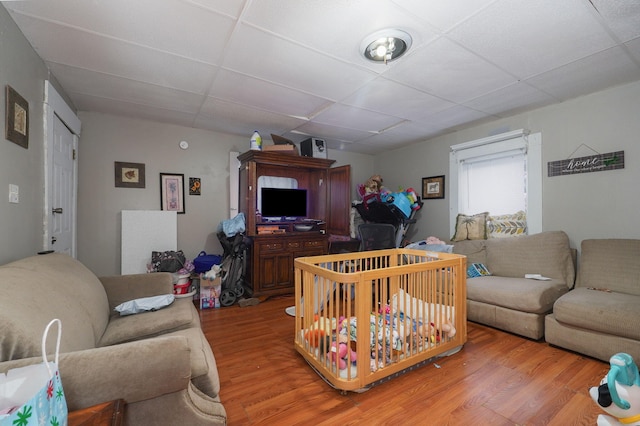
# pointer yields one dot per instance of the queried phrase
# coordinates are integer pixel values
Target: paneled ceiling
(294, 67)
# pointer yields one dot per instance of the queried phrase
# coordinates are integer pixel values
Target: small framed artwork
(194, 186)
(17, 118)
(433, 187)
(172, 192)
(129, 175)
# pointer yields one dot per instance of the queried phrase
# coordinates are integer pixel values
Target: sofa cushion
(606, 312)
(611, 264)
(475, 250)
(471, 227)
(521, 294)
(546, 253)
(45, 287)
(179, 315)
(507, 225)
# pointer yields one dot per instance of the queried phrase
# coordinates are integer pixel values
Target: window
(500, 174)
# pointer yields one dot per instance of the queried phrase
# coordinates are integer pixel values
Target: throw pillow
(145, 304)
(508, 225)
(477, 270)
(471, 227)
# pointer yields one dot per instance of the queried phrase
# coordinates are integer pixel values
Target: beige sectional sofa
(601, 316)
(506, 299)
(159, 362)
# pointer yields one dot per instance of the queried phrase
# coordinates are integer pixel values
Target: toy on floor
(619, 393)
(212, 273)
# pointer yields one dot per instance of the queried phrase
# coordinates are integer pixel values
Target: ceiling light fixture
(385, 45)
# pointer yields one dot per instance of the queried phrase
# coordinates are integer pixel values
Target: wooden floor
(497, 379)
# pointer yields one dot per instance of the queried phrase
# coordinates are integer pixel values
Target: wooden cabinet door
(339, 200)
(276, 271)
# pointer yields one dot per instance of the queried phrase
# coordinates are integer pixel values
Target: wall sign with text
(591, 163)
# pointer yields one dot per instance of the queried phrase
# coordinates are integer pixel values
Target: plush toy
(319, 332)
(340, 353)
(619, 393)
(413, 198)
(373, 185)
(212, 273)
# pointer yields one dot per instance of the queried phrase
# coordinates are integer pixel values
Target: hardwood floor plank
(496, 379)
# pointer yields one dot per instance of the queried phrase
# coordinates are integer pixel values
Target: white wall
(108, 138)
(589, 205)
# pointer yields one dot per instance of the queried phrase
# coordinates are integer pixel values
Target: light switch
(14, 194)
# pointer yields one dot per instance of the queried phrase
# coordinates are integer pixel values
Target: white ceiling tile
(530, 37)
(621, 16)
(318, 130)
(274, 59)
(388, 97)
(242, 120)
(634, 49)
(117, 107)
(97, 85)
(449, 71)
(62, 44)
(588, 75)
(227, 7)
(443, 14)
(510, 100)
(356, 118)
(455, 117)
(240, 88)
(170, 26)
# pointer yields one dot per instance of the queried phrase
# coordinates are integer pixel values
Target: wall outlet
(14, 194)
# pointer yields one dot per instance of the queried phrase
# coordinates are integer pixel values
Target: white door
(62, 127)
(62, 190)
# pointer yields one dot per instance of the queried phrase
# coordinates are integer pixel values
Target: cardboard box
(284, 149)
(210, 293)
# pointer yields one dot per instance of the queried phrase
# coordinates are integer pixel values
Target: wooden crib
(364, 317)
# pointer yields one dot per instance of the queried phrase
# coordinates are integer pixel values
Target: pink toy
(340, 354)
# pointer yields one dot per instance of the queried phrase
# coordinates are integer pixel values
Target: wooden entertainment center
(274, 244)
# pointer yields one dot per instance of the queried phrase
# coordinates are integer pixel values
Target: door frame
(55, 105)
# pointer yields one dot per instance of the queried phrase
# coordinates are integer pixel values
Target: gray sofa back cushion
(546, 253)
(612, 264)
(475, 250)
(41, 288)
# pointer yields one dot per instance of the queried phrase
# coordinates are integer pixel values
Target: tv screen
(284, 203)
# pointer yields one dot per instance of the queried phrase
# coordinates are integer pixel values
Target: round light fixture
(385, 45)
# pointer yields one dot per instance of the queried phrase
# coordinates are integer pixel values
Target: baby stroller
(233, 267)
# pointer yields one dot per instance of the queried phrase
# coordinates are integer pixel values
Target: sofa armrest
(131, 371)
(122, 288)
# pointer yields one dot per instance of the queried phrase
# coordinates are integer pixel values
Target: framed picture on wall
(433, 187)
(17, 118)
(129, 175)
(172, 192)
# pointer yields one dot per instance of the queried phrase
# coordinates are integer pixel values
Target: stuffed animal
(318, 334)
(340, 353)
(212, 273)
(619, 393)
(373, 184)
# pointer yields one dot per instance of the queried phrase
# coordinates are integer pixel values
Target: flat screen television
(281, 203)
